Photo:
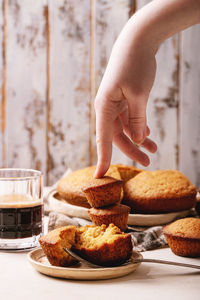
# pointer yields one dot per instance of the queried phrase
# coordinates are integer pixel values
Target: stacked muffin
(104, 196)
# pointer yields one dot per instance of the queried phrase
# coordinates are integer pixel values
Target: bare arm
(122, 97)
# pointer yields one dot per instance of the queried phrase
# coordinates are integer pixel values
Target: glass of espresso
(21, 208)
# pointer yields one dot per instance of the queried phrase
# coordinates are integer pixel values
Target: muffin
(53, 243)
(116, 214)
(183, 237)
(103, 245)
(99, 244)
(127, 172)
(103, 191)
(70, 187)
(160, 191)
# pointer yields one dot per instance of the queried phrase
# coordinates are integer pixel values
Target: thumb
(137, 119)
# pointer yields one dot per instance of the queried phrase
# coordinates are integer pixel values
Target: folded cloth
(58, 220)
(149, 239)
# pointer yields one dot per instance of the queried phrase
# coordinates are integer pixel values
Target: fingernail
(154, 148)
(146, 162)
(137, 137)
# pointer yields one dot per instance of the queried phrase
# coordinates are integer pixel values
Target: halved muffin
(103, 245)
(98, 244)
(53, 242)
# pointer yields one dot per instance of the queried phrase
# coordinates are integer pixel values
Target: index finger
(104, 136)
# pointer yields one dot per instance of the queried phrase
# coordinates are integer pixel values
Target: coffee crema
(20, 216)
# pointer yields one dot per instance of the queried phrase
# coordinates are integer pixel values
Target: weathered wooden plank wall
(189, 161)
(69, 110)
(163, 103)
(53, 54)
(2, 82)
(26, 84)
(1, 75)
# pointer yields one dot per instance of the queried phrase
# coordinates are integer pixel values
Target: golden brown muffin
(116, 214)
(103, 245)
(160, 191)
(53, 243)
(103, 191)
(70, 187)
(127, 172)
(183, 237)
(99, 244)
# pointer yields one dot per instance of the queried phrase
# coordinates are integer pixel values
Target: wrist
(157, 21)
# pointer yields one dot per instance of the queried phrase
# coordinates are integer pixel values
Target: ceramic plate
(154, 220)
(61, 206)
(80, 272)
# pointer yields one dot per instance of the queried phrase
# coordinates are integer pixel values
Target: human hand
(121, 102)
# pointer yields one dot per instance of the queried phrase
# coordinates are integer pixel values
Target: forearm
(159, 20)
(123, 94)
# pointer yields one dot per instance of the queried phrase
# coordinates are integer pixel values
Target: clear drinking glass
(21, 208)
